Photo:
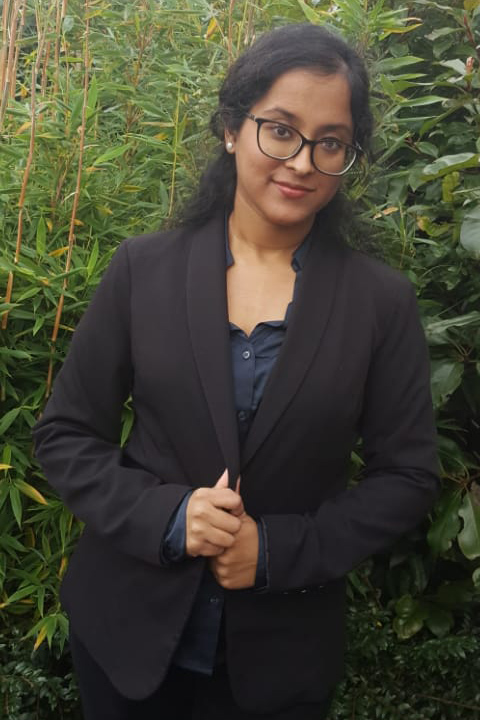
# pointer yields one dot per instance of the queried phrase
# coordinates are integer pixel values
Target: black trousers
(184, 695)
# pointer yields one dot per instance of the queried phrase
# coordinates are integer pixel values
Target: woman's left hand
(236, 567)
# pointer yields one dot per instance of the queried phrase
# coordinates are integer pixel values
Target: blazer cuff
(261, 577)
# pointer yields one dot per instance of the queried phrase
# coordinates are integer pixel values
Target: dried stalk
(175, 151)
(230, 31)
(58, 20)
(26, 175)
(76, 196)
(11, 74)
(4, 48)
(10, 51)
(22, 12)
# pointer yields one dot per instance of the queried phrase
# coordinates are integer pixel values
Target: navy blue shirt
(253, 358)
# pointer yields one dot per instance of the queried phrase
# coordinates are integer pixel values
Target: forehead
(308, 98)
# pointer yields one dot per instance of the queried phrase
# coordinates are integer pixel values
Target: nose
(302, 163)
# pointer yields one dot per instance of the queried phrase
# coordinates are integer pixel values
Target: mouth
(291, 190)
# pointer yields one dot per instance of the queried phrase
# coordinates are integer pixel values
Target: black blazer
(354, 362)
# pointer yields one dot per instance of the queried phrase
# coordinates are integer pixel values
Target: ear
(229, 141)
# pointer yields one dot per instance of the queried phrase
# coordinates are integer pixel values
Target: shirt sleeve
(174, 543)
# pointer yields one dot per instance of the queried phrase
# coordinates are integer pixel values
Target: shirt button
(214, 600)
(242, 415)
(246, 354)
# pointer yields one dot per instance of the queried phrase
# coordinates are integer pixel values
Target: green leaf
(19, 595)
(111, 154)
(470, 233)
(446, 377)
(41, 237)
(92, 97)
(446, 525)
(394, 63)
(447, 163)
(410, 617)
(310, 14)
(16, 504)
(8, 419)
(438, 620)
(436, 330)
(68, 23)
(92, 260)
(469, 537)
(421, 101)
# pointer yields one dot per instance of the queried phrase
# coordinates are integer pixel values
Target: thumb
(222, 481)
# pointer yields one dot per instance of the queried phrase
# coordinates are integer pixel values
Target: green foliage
(112, 139)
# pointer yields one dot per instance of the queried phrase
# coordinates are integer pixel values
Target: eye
(279, 132)
(331, 144)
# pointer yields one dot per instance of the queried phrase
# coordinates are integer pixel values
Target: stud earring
(229, 146)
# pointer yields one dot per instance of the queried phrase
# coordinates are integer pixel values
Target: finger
(222, 481)
(225, 498)
(237, 485)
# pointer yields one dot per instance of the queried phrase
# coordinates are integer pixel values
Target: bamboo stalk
(12, 49)
(12, 32)
(22, 13)
(4, 48)
(175, 152)
(76, 195)
(58, 19)
(230, 31)
(26, 175)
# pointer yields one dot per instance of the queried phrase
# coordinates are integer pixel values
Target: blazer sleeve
(400, 482)
(78, 437)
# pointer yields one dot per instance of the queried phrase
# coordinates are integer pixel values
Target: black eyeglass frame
(357, 150)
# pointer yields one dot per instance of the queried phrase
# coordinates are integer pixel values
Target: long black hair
(248, 80)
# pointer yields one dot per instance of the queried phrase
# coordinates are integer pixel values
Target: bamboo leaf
(8, 419)
(469, 537)
(30, 491)
(111, 154)
(41, 237)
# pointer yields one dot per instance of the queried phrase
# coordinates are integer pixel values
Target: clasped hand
(219, 528)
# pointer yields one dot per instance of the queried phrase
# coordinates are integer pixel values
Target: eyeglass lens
(282, 142)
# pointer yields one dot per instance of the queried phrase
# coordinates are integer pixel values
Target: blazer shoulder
(152, 246)
(374, 277)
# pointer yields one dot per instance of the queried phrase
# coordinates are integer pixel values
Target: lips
(291, 190)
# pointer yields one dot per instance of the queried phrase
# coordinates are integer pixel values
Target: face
(290, 192)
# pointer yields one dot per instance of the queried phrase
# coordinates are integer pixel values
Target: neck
(250, 234)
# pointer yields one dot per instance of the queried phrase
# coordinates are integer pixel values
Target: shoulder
(147, 248)
(374, 283)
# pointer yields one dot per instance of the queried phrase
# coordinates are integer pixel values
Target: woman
(257, 347)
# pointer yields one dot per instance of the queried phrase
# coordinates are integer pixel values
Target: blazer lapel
(210, 336)
(307, 324)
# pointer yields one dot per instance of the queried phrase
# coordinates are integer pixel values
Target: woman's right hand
(213, 519)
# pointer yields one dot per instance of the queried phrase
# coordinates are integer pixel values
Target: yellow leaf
(212, 27)
(30, 491)
(160, 136)
(23, 127)
(49, 224)
(40, 637)
(92, 169)
(390, 210)
(23, 91)
(63, 567)
(59, 251)
(76, 221)
(105, 210)
(4, 466)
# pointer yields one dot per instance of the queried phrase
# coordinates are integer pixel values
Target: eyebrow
(291, 117)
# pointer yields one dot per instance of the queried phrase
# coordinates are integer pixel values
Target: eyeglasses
(328, 155)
